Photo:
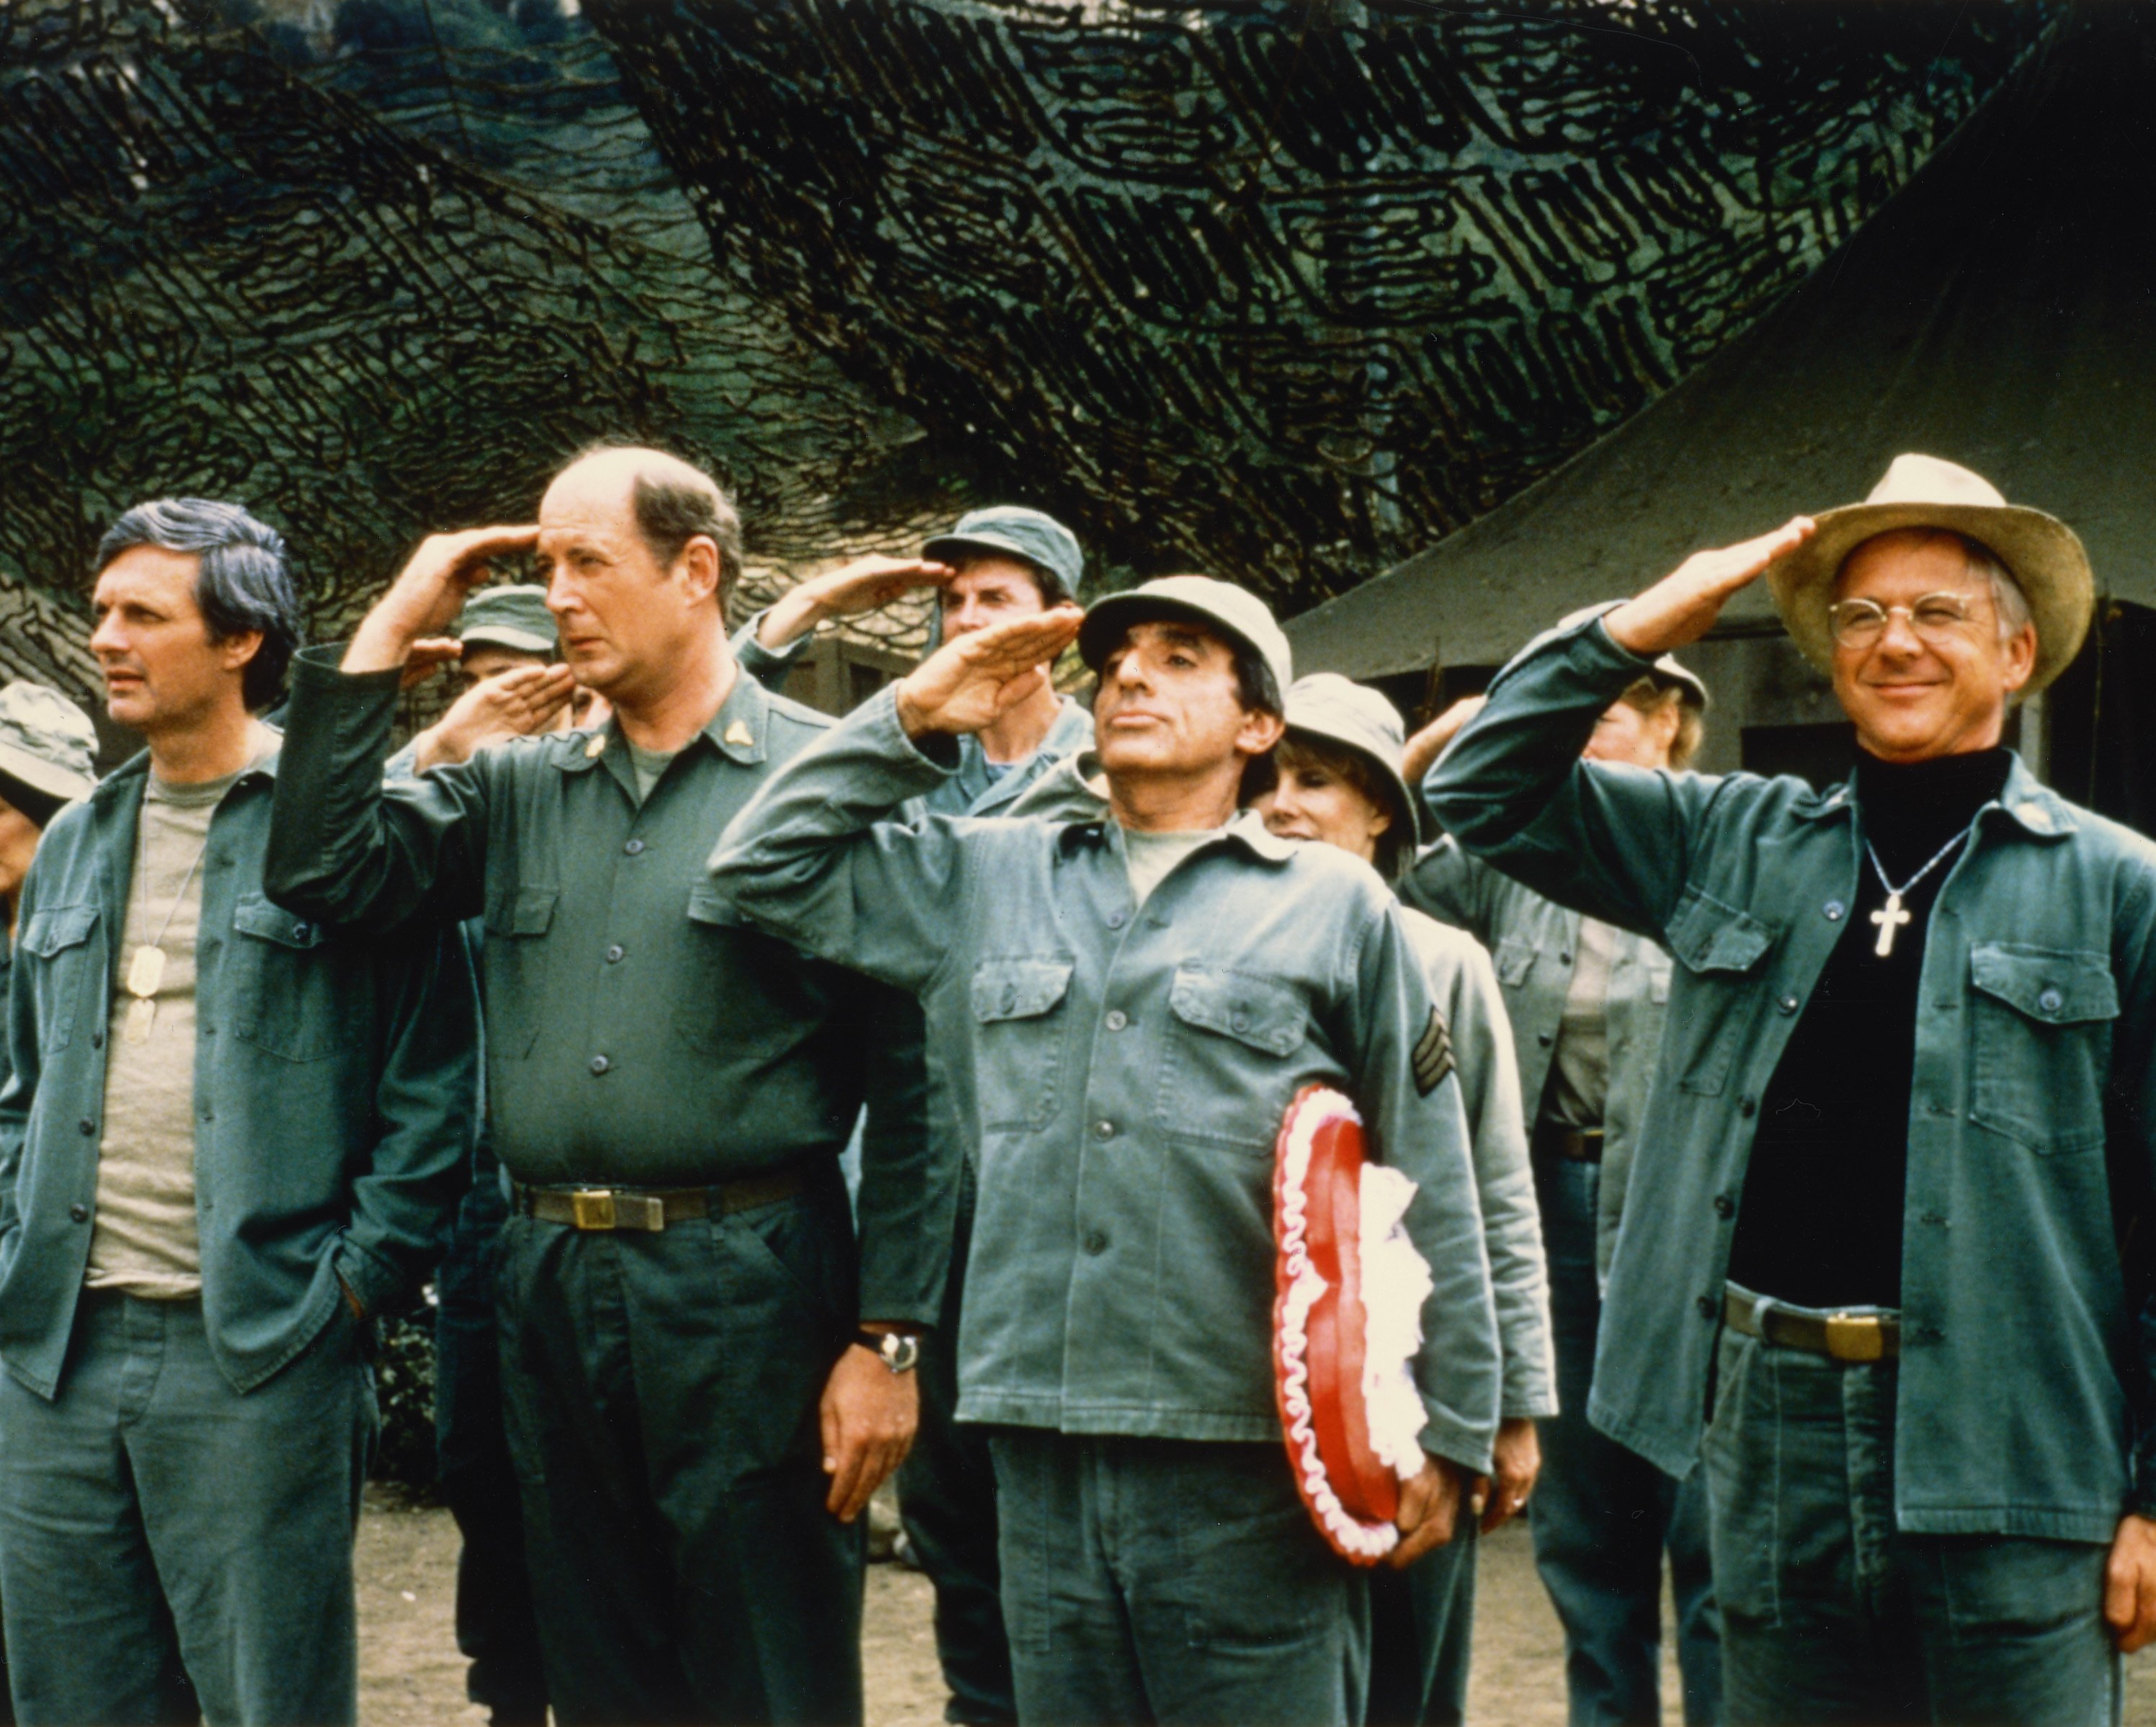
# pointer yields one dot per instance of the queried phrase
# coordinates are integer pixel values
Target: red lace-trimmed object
(1349, 1288)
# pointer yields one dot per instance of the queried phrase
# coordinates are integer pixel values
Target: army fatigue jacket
(334, 1092)
(1131, 1069)
(1532, 940)
(638, 1031)
(2024, 1399)
(1465, 988)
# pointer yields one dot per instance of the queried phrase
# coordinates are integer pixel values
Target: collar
(2026, 800)
(1247, 829)
(121, 781)
(739, 731)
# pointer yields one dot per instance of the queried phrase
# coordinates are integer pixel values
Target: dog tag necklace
(146, 970)
(1891, 916)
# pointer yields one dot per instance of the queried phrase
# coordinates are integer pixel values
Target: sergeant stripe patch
(1432, 1054)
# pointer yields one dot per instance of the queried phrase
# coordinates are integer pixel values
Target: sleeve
(770, 667)
(346, 848)
(20, 1087)
(1512, 1221)
(426, 1106)
(1406, 1081)
(809, 859)
(2131, 1134)
(909, 1175)
(1447, 884)
(1612, 841)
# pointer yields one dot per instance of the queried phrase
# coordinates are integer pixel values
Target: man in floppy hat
(1906, 1104)
(1138, 1000)
(48, 747)
(1338, 783)
(1586, 1000)
(999, 563)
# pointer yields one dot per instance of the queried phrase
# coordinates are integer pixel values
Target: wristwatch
(898, 1350)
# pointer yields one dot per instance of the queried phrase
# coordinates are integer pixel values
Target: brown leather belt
(1840, 1336)
(653, 1208)
(1575, 1145)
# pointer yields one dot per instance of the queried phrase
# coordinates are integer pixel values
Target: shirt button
(1095, 1243)
(79, 1213)
(613, 955)
(87, 1125)
(1747, 1106)
(1544, 1039)
(1709, 1307)
(1117, 1019)
(1724, 1206)
(1787, 1004)
(2051, 1000)
(301, 932)
(1834, 909)
(1104, 1130)
(600, 1064)
(97, 1040)
(1565, 959)
(1241, 1022)
(633, 847)
(1010, 998)
(1116, 919)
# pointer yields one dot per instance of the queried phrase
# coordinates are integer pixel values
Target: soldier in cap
(999, 563)
(706, 1373)
(1586, 1000)
(1905, 1110)
(1139, 999)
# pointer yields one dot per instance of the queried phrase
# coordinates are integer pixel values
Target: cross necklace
(1891, 916)
(146, 970)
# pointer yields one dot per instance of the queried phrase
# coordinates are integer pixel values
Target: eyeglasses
(1937, 618)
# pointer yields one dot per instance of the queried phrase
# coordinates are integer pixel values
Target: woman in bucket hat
(1339, 782)
(1586, 1001)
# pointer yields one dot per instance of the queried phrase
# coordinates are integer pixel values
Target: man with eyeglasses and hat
(999, 563)
(1139, 1000)
(1904, 1120)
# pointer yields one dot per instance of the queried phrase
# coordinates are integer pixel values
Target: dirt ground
(411, 1675)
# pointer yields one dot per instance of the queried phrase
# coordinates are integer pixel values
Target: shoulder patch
(1432, 1059)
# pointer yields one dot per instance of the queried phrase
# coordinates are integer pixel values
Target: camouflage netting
(374, 267)
(1279, 288)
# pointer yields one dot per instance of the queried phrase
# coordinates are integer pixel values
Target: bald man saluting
(705, 1381)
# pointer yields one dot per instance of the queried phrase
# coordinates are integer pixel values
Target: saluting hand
(869, 1415)
(426, 597)
(517, 703)
(1426, 746)
(867, 584)
(1682, 606)
(965, 685)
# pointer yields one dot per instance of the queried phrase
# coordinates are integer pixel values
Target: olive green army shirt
(638, 1033)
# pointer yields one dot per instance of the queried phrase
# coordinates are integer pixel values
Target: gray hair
(2007, 599)
(241, 581)
(676, 502)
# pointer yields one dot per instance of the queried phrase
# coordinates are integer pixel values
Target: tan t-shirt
(144, 1239)
(1579, 1088)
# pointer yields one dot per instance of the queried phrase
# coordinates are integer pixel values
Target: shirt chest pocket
(1020, 1040)
(2040, 1028)
(1226, 1074)
(518, 920)
(1723, 951)
(54, 943)
(282, 997)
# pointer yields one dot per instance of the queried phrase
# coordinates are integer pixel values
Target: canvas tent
(2001, 311)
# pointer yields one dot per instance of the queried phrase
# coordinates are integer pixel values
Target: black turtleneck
(1820, 1222)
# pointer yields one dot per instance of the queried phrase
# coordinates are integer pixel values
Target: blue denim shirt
(335, 1086)
(1132, 1067)
(1532, 941)
(2025, 1384)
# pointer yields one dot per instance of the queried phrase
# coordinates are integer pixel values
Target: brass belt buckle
(591, 1207)
(1854, 1337)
